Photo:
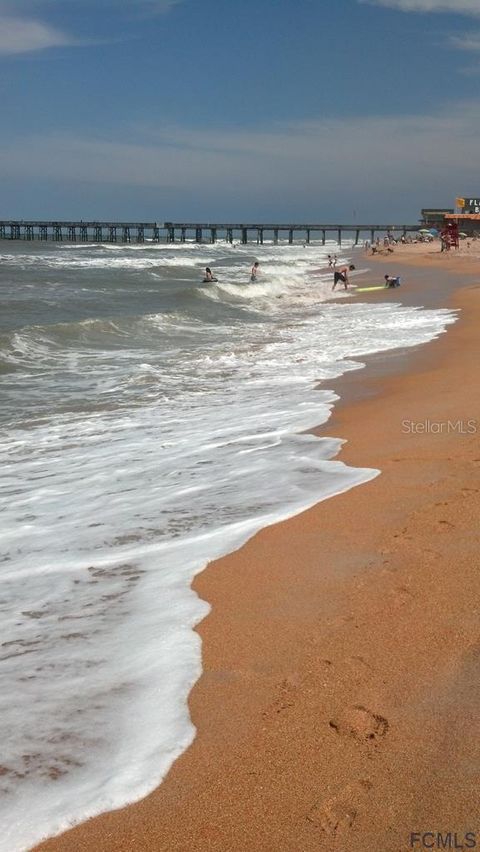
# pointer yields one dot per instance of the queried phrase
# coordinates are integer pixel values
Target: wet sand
(339, 707)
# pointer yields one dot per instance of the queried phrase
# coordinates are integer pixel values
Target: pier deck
(139, 232)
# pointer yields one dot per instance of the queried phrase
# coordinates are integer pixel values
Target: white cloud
(470, 71)
(407, 159)
(21, 35)
(470, 41)
(24, 34)
(454, 7)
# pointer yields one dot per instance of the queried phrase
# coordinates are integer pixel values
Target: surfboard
(367, 289)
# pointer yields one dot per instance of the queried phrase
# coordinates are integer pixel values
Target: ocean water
(149, 424)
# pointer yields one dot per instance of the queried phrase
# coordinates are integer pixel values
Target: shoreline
(292, 663)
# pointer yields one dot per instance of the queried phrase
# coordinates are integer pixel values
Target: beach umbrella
(424, 231)
(462, 234)
(433, 232)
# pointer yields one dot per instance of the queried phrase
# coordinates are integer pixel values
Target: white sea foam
(139, 447)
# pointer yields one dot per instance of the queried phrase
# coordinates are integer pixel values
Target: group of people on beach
(210, 278)
(340, 275)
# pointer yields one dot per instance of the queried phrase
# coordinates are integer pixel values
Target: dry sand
(339, 709)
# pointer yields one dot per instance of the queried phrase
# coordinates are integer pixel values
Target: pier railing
(170, 232)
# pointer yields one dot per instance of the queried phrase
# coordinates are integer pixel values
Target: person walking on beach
(330, 259)
(254, 272)
(342, 275)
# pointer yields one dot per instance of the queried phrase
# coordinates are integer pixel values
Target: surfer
(254, 271)
(342, 275)
(208, 275)
(392, 280)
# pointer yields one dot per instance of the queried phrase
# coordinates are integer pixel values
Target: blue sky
(299, 110)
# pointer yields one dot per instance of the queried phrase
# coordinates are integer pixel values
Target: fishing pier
(171, 232)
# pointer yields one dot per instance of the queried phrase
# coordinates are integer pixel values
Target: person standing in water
(254, 272)
(342, 275)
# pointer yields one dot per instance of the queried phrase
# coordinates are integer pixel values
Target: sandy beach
(339, 708)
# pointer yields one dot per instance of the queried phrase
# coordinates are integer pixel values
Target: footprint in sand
(361, 724)
(403, 534)
(339, 620)
(358, 667)
(285, 696)
(335, 816)
(426, 553)
(445, 525)
(401, 595)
